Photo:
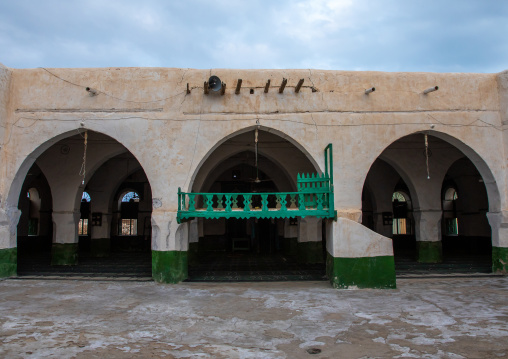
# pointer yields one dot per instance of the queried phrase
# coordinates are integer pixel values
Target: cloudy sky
(388, 35)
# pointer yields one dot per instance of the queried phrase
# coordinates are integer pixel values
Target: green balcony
(314, 198)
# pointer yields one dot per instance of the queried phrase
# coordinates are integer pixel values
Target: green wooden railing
(314, 198)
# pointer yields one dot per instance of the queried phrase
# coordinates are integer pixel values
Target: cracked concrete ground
(423, 318)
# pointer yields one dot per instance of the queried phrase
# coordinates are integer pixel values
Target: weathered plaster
(349, 239)
(9, 218)
(343, 116)
(177, 138)
(167, 234)
(428, 225)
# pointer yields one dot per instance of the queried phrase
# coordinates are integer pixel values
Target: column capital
(167, 234)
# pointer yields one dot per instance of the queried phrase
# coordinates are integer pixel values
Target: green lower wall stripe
(64, 254)
(500, 260)
(8, 262)
(429, 252)
(364, 272)
(169, 266)
(310, 252)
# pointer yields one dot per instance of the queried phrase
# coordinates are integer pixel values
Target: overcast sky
(398, 35)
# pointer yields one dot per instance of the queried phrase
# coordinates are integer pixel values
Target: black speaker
(214, 83)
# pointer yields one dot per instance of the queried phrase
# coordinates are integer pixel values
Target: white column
(167, 234)
(104, 230)
(428, 225)
(289, 230)
(65, 229)
(499, 227)
(9, 219)
(193, 231)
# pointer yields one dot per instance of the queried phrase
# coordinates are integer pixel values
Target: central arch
(206, 164)
(247, 249)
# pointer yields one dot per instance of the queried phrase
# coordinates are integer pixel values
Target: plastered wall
(172, 133)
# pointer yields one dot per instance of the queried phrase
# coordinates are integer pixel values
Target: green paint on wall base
(310, 252)
(170, 266)
(429, 252)
(364, 272)
(8, 262)
(100, 247)
(290, 246)
(500, 260)
(64, 254)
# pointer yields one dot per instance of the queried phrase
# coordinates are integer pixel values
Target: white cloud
(383, 35)
(314, 19)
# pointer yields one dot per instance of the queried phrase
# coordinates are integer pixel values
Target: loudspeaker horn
(214, 83)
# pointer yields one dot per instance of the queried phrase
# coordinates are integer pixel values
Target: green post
(429, 252)
(64, 254)
(8, 262)
(365, 272)
(500, 260)
(169, 266)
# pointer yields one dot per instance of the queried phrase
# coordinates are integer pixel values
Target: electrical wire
(109, 95)
(427, 155)
(82, 171)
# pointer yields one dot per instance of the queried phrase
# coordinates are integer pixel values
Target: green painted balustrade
(314, 198)
(318, 203)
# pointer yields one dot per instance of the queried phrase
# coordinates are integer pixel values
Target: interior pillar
(290, 237)
(169, 247)
(64, 250)
(193, 240)
(310, 247)
(100, 245)
(499, 227)
(428, 236)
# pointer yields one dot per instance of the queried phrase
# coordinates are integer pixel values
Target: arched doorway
(387, 208)
(465, 228)
(418, 192)
(82, 213)
(254, 248)
(35, 226)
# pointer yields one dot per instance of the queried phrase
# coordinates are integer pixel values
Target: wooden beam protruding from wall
(205, 88)
(188, 89)
(282, 85)
(238, 86)
(223, 89)
(299, 86)
(267, 86)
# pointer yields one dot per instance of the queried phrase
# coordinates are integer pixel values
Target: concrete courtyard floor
(423, 318)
